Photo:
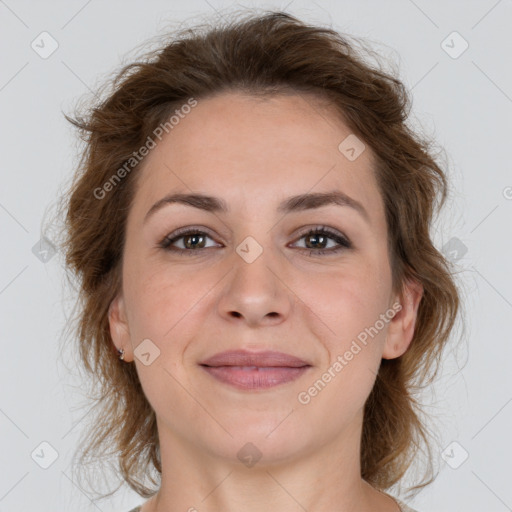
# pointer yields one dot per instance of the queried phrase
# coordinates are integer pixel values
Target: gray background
(464, 102)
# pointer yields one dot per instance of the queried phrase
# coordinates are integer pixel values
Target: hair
(258, 54)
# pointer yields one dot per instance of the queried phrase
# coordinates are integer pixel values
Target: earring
(120, 352)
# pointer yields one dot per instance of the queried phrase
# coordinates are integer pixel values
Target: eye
(318, 238)
(193, 240)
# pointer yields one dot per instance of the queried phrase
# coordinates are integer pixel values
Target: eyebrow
(296, 203)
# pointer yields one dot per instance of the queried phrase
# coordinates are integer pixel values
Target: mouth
(254, 370)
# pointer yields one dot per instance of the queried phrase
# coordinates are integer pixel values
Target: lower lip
(255, 378)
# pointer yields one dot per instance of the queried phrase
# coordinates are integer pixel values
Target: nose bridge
(256, 289)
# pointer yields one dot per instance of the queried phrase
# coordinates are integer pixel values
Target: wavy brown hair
(260, 54)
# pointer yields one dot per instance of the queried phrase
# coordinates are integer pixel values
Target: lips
(258, 359)
(254, 370)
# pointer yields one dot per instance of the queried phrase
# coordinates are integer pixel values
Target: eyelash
(344, 243)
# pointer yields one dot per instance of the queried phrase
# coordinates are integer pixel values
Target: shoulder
(404, 507)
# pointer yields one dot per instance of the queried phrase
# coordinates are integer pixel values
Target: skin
(192, 306)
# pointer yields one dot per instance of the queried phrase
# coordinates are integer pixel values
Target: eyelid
(186, 230)
(343, 242)
(340, 238)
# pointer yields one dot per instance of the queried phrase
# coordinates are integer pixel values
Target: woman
(260, 292)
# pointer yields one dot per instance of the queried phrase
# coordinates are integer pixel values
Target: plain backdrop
(454, 58)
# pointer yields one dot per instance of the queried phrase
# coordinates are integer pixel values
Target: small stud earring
(120, 352)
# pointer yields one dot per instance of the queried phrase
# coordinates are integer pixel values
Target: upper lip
(263, 359)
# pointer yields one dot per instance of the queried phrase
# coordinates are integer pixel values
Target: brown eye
(190, 240)
(194, 241)
(318, 238)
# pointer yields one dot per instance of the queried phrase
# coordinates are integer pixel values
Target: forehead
(252, 150)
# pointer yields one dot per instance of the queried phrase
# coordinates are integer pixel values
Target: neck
(327, 478)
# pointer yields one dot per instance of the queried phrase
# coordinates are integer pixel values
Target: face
(254, 278)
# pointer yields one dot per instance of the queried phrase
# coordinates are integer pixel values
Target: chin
(261, 441)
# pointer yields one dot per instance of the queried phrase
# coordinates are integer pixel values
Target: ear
(119, 329)
(401, 327)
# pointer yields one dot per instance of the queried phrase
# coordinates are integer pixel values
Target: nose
(256, 293)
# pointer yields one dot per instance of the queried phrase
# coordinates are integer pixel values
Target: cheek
(157, 299)
(347, 301)
(353, 343)
(336, 303)
(161, 305)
